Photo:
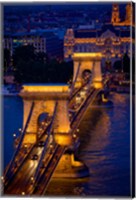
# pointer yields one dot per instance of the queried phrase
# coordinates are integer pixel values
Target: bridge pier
(61, 131)
(97, 74)
(68, 167)
(102, 100)
(44, 98)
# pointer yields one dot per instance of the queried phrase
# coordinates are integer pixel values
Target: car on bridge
(34, 157)
(41, 144)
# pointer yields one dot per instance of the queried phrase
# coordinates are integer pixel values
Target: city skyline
(66, 99)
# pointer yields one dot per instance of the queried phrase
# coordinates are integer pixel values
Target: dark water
(13, 119)
(105, 149)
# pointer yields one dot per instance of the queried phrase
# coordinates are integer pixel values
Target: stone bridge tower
(45, 98)
(87, 61)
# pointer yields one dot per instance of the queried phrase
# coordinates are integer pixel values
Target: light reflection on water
(104, 148)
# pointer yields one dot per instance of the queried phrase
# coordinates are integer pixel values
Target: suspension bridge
(43, 147)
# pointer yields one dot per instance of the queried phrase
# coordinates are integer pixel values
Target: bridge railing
(87, 101)
(42, 182)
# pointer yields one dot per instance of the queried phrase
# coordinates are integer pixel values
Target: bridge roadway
(24, 182)
(24, 151)
(46, 174)
(20, 156)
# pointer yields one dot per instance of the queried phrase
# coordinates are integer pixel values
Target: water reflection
(104, 135)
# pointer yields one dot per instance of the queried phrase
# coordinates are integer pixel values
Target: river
(104, 148)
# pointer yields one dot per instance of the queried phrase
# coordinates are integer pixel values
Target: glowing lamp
(63, 139)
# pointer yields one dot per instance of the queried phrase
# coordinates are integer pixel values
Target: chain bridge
(46, 147)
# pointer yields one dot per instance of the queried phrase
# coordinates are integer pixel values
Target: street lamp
(14, 135)
(32, 180)
(77, 130)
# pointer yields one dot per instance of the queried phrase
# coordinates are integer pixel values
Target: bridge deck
(22, 182)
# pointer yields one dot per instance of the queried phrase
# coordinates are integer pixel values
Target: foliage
(118, 65)
(126, 63)
(32, 67)
(123, 64)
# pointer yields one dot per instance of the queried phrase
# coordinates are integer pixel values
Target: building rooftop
(85, 33)
(89, 33)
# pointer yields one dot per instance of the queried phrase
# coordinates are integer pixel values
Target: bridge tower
(87, 61)
(45, 98)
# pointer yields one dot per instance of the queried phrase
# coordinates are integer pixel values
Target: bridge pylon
(88, 61)
(45, 98)
(61, 126)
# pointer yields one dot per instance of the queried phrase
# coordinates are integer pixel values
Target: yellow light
(90, 55)
(23, 193)
(42, 88)
(63, 139)
(77, 84)
(15, 40)
(30, 138)
(104, 99)
(98, 85)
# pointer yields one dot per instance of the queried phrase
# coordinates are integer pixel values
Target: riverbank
(8, 91)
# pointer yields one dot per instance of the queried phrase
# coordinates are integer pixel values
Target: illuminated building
(42, 41)
(115, 14)
(113, 39)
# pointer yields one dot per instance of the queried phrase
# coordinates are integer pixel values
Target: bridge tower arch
(87, 61)
(45, 98)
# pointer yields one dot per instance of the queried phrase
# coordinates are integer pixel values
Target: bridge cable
(45, 147)
(73, 83)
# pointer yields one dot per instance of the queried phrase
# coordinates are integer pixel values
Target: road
(34, 175)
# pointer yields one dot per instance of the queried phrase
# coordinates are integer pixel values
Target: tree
(32, 67)
(126, 63)
(25, 53)
(6, 59)
(118, 65)
(42, 57)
